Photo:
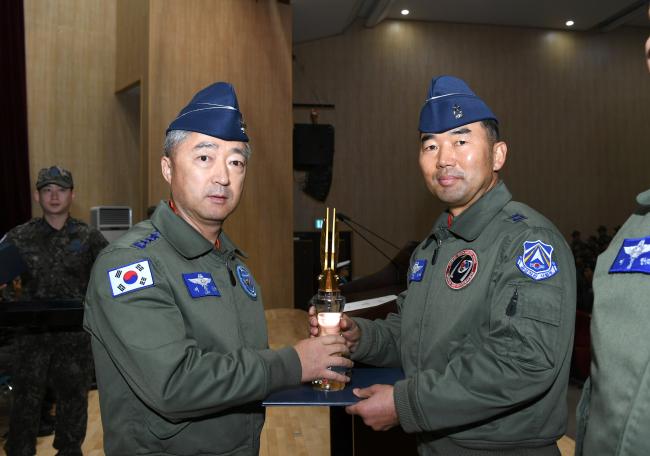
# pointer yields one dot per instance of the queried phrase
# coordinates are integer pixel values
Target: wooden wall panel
(75, 119)
(247, 43)
(132, 40)
(573, 108)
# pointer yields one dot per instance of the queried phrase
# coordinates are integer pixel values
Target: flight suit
(614, 411)
(484, 333)
(180, 344)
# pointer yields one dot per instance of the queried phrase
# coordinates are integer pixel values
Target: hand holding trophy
(328, 302)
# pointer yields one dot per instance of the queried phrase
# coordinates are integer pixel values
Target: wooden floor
(289, 431)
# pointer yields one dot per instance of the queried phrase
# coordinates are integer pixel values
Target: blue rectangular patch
(417, 270)
(200, 284)
(633, 256)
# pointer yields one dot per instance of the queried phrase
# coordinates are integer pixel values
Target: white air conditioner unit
(112, 221)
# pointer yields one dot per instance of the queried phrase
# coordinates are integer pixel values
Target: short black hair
(492, 128)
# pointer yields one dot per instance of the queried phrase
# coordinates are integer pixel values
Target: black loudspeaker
(313, 151)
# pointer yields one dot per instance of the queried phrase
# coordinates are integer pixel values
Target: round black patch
(461, 269)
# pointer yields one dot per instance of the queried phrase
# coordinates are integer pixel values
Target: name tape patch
(130, 277)
(537, 260)
(417, 270)
(633, 256)
(200, 284)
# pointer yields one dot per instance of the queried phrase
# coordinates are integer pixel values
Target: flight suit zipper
(434, 257)
(233, 282)
(511, 310)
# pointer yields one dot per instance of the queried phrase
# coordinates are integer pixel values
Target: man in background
(614, 411)
(59, 251)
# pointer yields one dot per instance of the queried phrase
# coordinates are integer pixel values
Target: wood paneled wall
(574, 109)
(75, 119)
(247, 43)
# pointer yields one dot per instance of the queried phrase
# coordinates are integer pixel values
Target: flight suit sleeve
(380, 339)
(145, 337)
(509, 364)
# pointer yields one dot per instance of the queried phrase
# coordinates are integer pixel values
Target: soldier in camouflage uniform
(59, 252)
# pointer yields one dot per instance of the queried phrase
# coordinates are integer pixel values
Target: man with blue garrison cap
(485, 328)
(176, 317)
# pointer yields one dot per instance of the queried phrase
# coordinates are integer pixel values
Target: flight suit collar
(184, 238)
(471, 223)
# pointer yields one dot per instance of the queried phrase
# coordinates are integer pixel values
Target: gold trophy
(328, 302)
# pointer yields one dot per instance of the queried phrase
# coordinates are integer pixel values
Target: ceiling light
(405, 12)
(569, 23)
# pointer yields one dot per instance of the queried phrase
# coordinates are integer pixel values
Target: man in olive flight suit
(177, 321)
(614, 411)
(485, 328)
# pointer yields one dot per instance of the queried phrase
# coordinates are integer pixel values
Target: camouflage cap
(54, 175)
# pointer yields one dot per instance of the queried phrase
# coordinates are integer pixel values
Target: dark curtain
(14, 161)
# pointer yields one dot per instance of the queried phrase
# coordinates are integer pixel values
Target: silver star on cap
(457, 111)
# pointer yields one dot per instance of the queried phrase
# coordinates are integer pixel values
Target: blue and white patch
(633, 256)
(200, 284)
(537, 260)
(417, 270)
(142, 243)
(130, 277)
(246, 281)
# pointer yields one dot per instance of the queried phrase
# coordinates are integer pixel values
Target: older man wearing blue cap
(176, 317)
(485, 328)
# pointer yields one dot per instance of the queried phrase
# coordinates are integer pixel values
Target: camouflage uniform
(59, 264)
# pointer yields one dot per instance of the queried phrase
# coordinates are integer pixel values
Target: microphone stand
(349, 222)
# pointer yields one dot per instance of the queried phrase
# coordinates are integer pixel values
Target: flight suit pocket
(162, 428)
(534, 315)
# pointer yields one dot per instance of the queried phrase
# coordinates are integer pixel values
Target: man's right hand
(318, 353)
(349, 329)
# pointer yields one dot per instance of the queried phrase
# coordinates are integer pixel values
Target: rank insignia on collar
(200, 284)
(633, 256)
(537, 260)
(461, 269)
(130, 277)
(142, 243)
(457, 111)
(417, 270)
(246, 281)
(517, 218)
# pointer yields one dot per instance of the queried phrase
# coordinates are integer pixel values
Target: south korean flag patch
(130, 277)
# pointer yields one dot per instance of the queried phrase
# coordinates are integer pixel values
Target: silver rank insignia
(457, 111)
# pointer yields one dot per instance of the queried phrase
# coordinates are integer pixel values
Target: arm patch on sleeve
(130, 277)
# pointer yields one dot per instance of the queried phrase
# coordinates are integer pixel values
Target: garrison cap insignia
(246, 281)
(200, 284)
(461, 269)
(633, 256)
(536, 261)
(457, 111)
(142, 243)
(130, 277)
(417, 270)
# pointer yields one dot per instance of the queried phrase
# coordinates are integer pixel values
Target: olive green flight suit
(180, 344)
(614, 411)
(486, 348)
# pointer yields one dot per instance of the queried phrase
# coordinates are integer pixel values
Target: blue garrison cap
(450, 104)
(213, 111)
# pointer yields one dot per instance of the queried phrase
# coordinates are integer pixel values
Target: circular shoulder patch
(246, 281)
(461, 269)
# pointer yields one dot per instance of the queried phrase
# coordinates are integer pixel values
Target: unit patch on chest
(537, 260)
(246, 281)
(200, 284)
(461, 269)
(130, 277)
(417, 270)
(633, 256)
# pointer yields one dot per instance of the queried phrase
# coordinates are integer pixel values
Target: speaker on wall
(313, 152)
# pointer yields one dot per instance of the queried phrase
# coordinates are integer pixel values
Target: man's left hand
(378, 407)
